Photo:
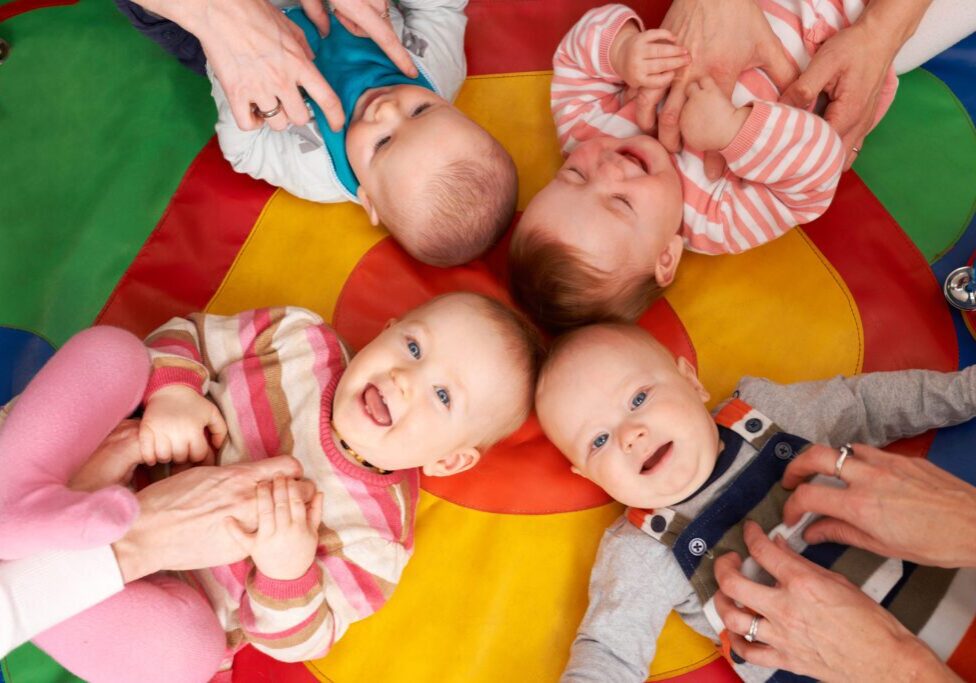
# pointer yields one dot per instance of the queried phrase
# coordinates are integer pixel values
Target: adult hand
(724, 38)
(182, 522)
(851, 68)
(815, 622)
(371, 19)
(894, 506)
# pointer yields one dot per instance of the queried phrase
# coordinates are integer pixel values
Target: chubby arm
(294, 158)
(433, 31)
(300, 619)
(874, 408)
(586, 90)
(629, 603)
(783, 168)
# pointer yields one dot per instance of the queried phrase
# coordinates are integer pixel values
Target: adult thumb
(779, 65)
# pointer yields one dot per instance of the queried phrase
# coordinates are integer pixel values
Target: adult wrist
(917, 663)
(133, 560)
(893, 20)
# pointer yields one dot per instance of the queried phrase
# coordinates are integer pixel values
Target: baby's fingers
(653, 81)
(218, 428)
(657, 34)
(315, 513)
(296, 505)
(147, 444)
(266, 509)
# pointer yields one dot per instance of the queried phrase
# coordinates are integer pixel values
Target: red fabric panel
(188, 254)
(12, 9)
(521, 35)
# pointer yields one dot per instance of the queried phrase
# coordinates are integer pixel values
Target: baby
(631, 418)
(442, 185)
(605, 237)
(430, 393)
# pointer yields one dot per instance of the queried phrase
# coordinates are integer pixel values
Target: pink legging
(157, 629)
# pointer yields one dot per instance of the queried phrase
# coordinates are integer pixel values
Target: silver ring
(753, 628)
(267, 114)
(856, 149)
(845, 451)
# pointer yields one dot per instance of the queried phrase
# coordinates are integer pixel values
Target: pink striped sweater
(273, 372)
(783, 166)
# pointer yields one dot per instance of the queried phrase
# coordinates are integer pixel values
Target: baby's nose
(387, 109)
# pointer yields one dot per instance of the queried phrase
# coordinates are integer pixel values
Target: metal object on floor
(960, 288)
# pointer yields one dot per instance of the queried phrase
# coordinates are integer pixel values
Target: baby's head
(438, 387)
(601, 240)
(443, 187)
(627, 415)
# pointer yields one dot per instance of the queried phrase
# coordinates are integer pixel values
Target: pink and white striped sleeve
(586, 91)
(783, 170)
(294, 621)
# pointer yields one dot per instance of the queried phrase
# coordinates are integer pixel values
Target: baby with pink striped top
(429, 394)
(604, 238)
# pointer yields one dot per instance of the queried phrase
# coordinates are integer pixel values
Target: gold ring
(856, 149)
(267, 114)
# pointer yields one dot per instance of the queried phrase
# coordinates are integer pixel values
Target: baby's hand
(173, 426)
(646, 59)
(709, 120)
(287, 538)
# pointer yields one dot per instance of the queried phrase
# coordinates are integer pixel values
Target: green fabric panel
(97, 127)
(924, 173)
(27, 664)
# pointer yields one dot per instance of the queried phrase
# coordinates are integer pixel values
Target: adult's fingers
(270, 110)
(777, 63)
(653, 81)
(714, 164)
(645, 112)
(756, 653)
(854, 140)
(779, 562)
(319, 90)
(838, 531)
(264, 470)
(380, 30)
(818, 499)
(315, 11)
(735, 618)
(748, 593)
(820, 459)
(240, 535)
(804, 90)
(315, 512)
(668, 131)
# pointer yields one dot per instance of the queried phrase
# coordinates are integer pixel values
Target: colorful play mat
(116, 207)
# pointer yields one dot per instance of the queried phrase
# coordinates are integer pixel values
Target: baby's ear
(687, 370)
(460, 460)
(368, 207)
(667, 261)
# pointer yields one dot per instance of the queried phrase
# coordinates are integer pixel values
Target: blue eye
(380, 143)
(414, 348)
(638, 400)
(599, 441)
(443, 396)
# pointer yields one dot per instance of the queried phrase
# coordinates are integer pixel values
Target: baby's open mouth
(633, 158)
(656, 457)
(375, 406)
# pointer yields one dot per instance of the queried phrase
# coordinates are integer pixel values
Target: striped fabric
(784, 165)
(272, 372)
(938, 605)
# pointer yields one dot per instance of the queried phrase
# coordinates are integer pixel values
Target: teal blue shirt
(352, 65)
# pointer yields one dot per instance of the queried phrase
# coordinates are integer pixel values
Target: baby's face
(400, 136)
(428, 385)
(617, 201)
(628, 417)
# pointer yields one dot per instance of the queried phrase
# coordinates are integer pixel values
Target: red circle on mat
(524, 474)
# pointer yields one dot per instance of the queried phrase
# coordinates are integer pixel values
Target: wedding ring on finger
(846, 451)
(856, 149)
(750, 635)
(274, 111)
(385, 14)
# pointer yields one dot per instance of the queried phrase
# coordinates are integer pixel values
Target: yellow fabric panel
(781, 312)
(299, 253)
(515, 109)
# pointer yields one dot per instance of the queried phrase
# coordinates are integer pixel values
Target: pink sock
(90, 385)
(157, 630)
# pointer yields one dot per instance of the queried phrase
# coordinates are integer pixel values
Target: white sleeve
(433, 31)
(294, 159)
(43, 590)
